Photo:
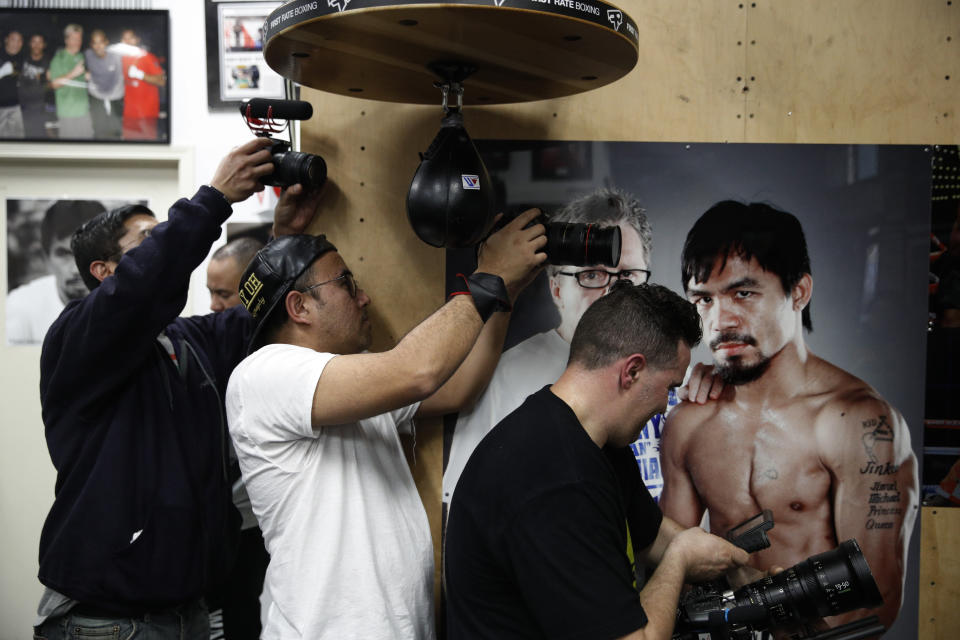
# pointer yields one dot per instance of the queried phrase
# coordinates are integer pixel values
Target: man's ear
(296, 309)
(554, 282)
(801, 292)
(631, 369)
(100, 269)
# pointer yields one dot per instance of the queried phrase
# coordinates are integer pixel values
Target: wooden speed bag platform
(522, 50)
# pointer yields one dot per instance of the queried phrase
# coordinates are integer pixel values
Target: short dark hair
(241, 249)
(647, 318)
(63, 217)
(755, 230)
(99, 239)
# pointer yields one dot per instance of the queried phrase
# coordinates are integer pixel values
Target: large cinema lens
(826, 584)
(582, 245)
(292, 167)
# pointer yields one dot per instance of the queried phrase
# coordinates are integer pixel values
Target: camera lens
(296, 166)
(826, 584)
(582, 245)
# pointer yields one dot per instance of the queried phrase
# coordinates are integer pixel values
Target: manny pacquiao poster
(809, 266)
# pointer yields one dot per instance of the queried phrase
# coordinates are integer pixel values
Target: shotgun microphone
(289, 167)
(279, 109)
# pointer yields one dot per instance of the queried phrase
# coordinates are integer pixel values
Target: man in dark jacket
(132, 399)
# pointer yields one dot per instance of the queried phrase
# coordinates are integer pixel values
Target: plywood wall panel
(866, 71)
(684, 86)
(939, 571)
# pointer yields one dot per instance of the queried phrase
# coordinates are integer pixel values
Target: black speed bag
(451, 200)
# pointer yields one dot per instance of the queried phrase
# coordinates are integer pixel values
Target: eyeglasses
(599, 278)
(143, 235)
(140, 237)
(351, 284)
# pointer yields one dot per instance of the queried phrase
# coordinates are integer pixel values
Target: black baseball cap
(272, 272)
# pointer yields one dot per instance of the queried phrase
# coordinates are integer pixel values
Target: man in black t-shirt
(537, 537)
(36, 96)
(11, 59)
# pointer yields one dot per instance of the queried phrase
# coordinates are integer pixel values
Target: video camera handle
(751, 534)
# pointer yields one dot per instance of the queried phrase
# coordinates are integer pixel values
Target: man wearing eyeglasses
(315, 421)
(538, 361)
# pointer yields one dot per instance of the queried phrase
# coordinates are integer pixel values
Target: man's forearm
(654, 553)
(439, 344)
(354, 387)
(660, 597)
(473, 375)
(158, 79)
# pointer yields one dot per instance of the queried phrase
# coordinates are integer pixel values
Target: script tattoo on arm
(885, 497)
(876, 495)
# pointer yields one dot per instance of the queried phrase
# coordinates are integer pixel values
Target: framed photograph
(236, 70)
(82, 75)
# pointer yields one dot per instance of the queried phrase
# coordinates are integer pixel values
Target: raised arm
(464, 387)
(875, 495)
(470, 379)
(148, 69)
(679, 499)
(358, 386)
(295, 209)
(148, 287)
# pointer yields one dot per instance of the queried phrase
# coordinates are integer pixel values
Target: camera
(263, 117)
(573, 243)
(582, 245)
(825, 584)
(291, 167)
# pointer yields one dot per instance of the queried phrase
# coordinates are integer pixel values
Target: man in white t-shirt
(316, 433)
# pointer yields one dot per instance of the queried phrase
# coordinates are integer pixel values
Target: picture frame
(85, 75)
(236, 70)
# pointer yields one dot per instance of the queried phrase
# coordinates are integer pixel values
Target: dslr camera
(289, 167)
(825, 584)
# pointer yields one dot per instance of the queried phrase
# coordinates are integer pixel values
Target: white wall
(199, 140)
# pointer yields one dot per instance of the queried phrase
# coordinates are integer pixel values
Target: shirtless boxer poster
(828, 444)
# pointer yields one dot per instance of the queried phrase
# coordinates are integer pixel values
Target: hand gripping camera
(572, 243)
(826, 584)
(289, 167)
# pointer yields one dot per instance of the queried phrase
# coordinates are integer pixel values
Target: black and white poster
(42, 275)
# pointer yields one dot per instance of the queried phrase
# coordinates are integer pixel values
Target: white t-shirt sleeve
(270, 395)
(403, 417)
